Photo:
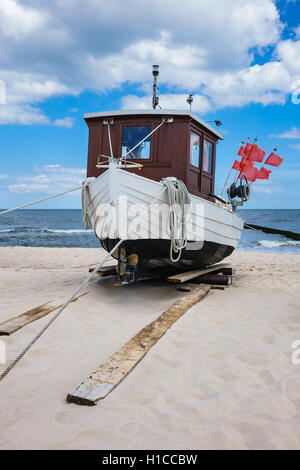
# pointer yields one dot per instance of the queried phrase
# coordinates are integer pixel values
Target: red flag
(250, 172)
(241, 152)
(247, 149)
(236, 165)
(245, 161)
(256, 154)
(263, 174)
(274, 160)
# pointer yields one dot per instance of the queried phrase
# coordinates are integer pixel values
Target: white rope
(43, 268)
(85, 199)
(180, 207)
(159, 194)
(40, 200)
(34, 340)
(109, 138)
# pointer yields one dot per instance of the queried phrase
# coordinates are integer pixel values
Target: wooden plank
(189, 275)
(101, 382)
(186, 287)
(19, 321)
(105, 270)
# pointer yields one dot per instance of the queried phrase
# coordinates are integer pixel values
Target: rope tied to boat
(40, 200)
(62, 308)
(85, 199)
(180, 210)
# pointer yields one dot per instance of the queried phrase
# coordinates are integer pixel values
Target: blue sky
(59, 60)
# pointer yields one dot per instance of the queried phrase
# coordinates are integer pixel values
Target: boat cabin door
(201, 166)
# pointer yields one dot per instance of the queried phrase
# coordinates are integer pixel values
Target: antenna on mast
(155, 99)
(190, 100)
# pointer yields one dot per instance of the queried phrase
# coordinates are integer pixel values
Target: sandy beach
(221, 378)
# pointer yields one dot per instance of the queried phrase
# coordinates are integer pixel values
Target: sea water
(65, 228)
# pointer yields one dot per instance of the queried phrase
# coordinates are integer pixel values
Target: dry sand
(221, 378)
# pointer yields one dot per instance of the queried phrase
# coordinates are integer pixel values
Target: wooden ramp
(189, 275)
(15, 323)
(101, 382)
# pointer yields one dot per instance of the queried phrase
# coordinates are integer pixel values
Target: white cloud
(30, 87)
(17, 21)
(266, 187)
(295, 146)
(64, 122)
(22, 114)
(29, 115)
(47, 179)
(57, 168)
(2, 92)
(200, 104)
(254, 84)
(67, 46)
(261, 189)
(288, 52)
(293, 133)
(288, 175)
(3, 176)
(265, 84)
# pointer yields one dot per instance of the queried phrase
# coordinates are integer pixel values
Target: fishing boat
(150, 183)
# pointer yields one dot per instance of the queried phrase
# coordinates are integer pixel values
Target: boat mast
(155, 99)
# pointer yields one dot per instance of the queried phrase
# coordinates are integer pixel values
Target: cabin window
(132, 135)
(194, 149)
(207, 156)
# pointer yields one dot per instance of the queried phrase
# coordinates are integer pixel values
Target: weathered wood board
(19, 321)
(186, 287)
(189, 275)
(101, 382)
(105, 270)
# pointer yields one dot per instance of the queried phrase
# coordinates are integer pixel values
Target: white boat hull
(120, 204)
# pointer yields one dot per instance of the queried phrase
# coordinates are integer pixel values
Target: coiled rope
(180, 209)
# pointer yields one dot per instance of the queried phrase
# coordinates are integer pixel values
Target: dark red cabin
(184, 147)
